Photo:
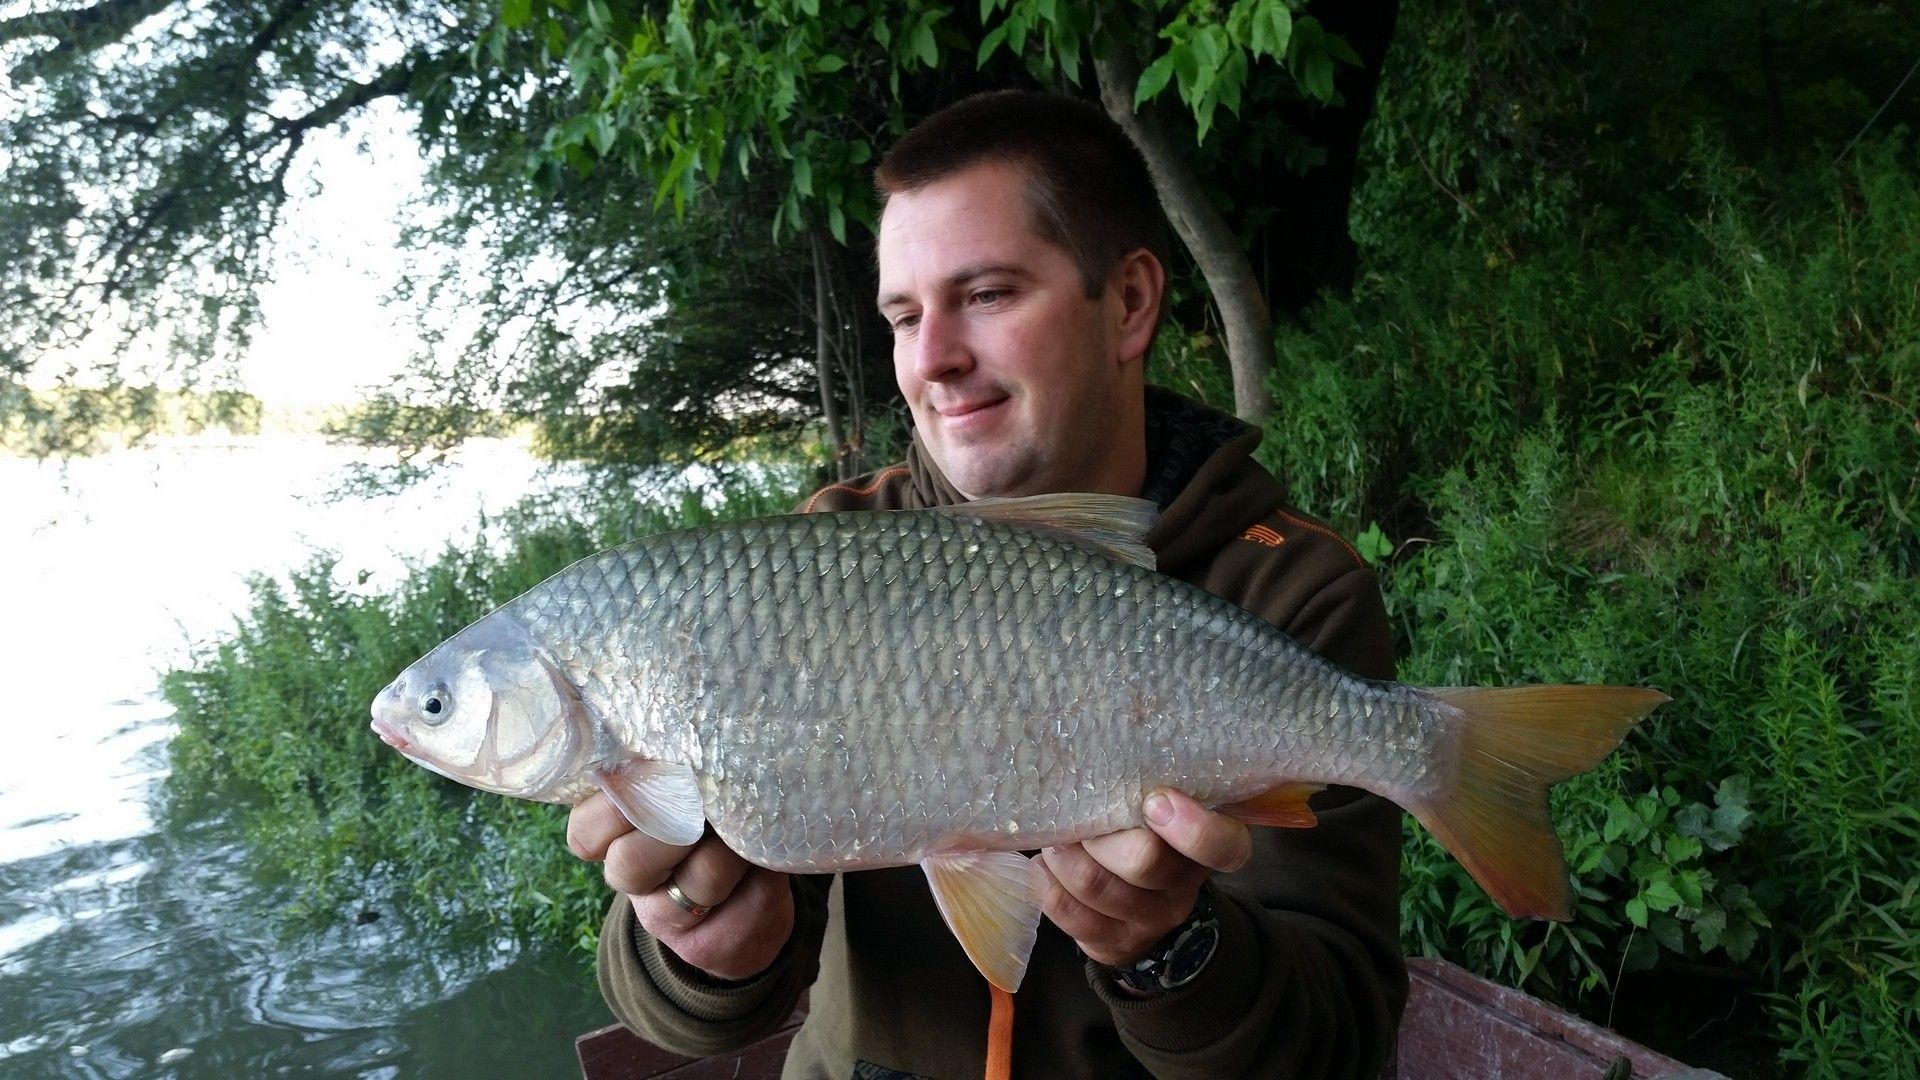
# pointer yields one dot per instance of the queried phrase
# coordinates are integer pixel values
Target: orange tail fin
(1514, 744)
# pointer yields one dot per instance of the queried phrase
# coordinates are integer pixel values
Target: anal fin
(991, 901)
(1283, 807)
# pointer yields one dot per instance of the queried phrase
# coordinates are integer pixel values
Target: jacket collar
(1200, 470)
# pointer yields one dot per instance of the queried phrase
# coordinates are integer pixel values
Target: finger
(707, 878)
(1210, 839)
(1083, 876)
(1090, 929)
(593, 825)
(736, 940)
(636, 863)
(1142, 859)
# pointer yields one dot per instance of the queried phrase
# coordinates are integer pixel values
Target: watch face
(1190, 954)
(1181, 956)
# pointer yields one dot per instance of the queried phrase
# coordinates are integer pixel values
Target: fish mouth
(390, 737)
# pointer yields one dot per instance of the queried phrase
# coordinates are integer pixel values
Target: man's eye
(905, 323)
(989, 296)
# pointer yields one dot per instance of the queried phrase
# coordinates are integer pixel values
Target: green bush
(1691, 461)
(275, 715)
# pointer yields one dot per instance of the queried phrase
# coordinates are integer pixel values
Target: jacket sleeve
(675, 1006)
(1308, 979)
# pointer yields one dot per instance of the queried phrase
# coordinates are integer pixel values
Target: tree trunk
(823, 364)
(1229, 273)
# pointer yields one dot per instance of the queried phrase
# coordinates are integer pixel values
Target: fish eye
(436, 704)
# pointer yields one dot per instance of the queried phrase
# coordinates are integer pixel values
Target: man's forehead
(976, 221)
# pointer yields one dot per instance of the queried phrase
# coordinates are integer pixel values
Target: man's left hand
(1119, 894)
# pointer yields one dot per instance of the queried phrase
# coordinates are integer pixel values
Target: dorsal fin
(1115, 525)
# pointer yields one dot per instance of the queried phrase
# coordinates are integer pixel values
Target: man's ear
(1141, 283)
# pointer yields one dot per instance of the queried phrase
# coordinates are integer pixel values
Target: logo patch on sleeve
(1261, 534)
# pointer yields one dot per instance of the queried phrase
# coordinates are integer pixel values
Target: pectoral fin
(991, 901)
(1284, 807)
(661, 798)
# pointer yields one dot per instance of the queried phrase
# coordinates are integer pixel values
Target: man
(1021, 266)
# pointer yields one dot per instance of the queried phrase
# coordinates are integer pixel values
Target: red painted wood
(614, 1053)
(1459, 1026)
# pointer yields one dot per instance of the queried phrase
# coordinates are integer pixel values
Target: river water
(132, 948)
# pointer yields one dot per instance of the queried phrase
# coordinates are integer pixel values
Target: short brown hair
(1088, 187)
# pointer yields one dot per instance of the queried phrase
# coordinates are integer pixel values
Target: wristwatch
(1179, 957)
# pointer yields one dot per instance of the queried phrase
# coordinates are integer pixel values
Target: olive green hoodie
(1308, 979)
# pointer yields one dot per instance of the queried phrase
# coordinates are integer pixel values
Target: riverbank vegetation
(76, 421)
(1611, 362)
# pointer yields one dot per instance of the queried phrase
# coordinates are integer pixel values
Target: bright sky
(327, 335)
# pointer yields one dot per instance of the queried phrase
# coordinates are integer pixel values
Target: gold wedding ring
(686, 905)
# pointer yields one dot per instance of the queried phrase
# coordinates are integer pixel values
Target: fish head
(489, 709)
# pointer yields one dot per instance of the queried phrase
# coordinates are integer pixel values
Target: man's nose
(940, 348)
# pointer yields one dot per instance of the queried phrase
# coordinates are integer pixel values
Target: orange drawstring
(1000, 1035)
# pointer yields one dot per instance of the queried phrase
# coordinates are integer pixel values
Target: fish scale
(1027, 656)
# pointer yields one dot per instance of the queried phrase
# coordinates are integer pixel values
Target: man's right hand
(750, 909)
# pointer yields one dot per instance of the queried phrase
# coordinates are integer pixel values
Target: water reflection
(131, 948)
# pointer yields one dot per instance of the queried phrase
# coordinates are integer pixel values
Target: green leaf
(837, 222)
(1210, 46)
(1204, 114)
(803, 176)
(1338, 48)
(1279, 28)
(1669, 933)
(1691, 885)
(598, 15)
(810, 8)
(1317, 78)
(924, 47)
(1153, 80)
(1637, 912)
(989, 43)
(1373, 544)
(1660, 896)
(828, 64)
(1708, 926)
(602, 133)
(1682, 849)
(679, 35)
(515, 12)
(1186, 66)
(1739, 941)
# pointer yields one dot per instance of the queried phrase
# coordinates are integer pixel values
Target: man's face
(1016, 379)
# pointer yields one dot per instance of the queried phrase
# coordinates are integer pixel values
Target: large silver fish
(947, 687)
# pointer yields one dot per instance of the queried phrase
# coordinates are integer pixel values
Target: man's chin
(978, 479)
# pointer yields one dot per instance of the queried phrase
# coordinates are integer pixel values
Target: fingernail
(1159, 809)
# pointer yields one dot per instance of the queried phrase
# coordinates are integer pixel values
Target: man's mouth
(960, 410)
